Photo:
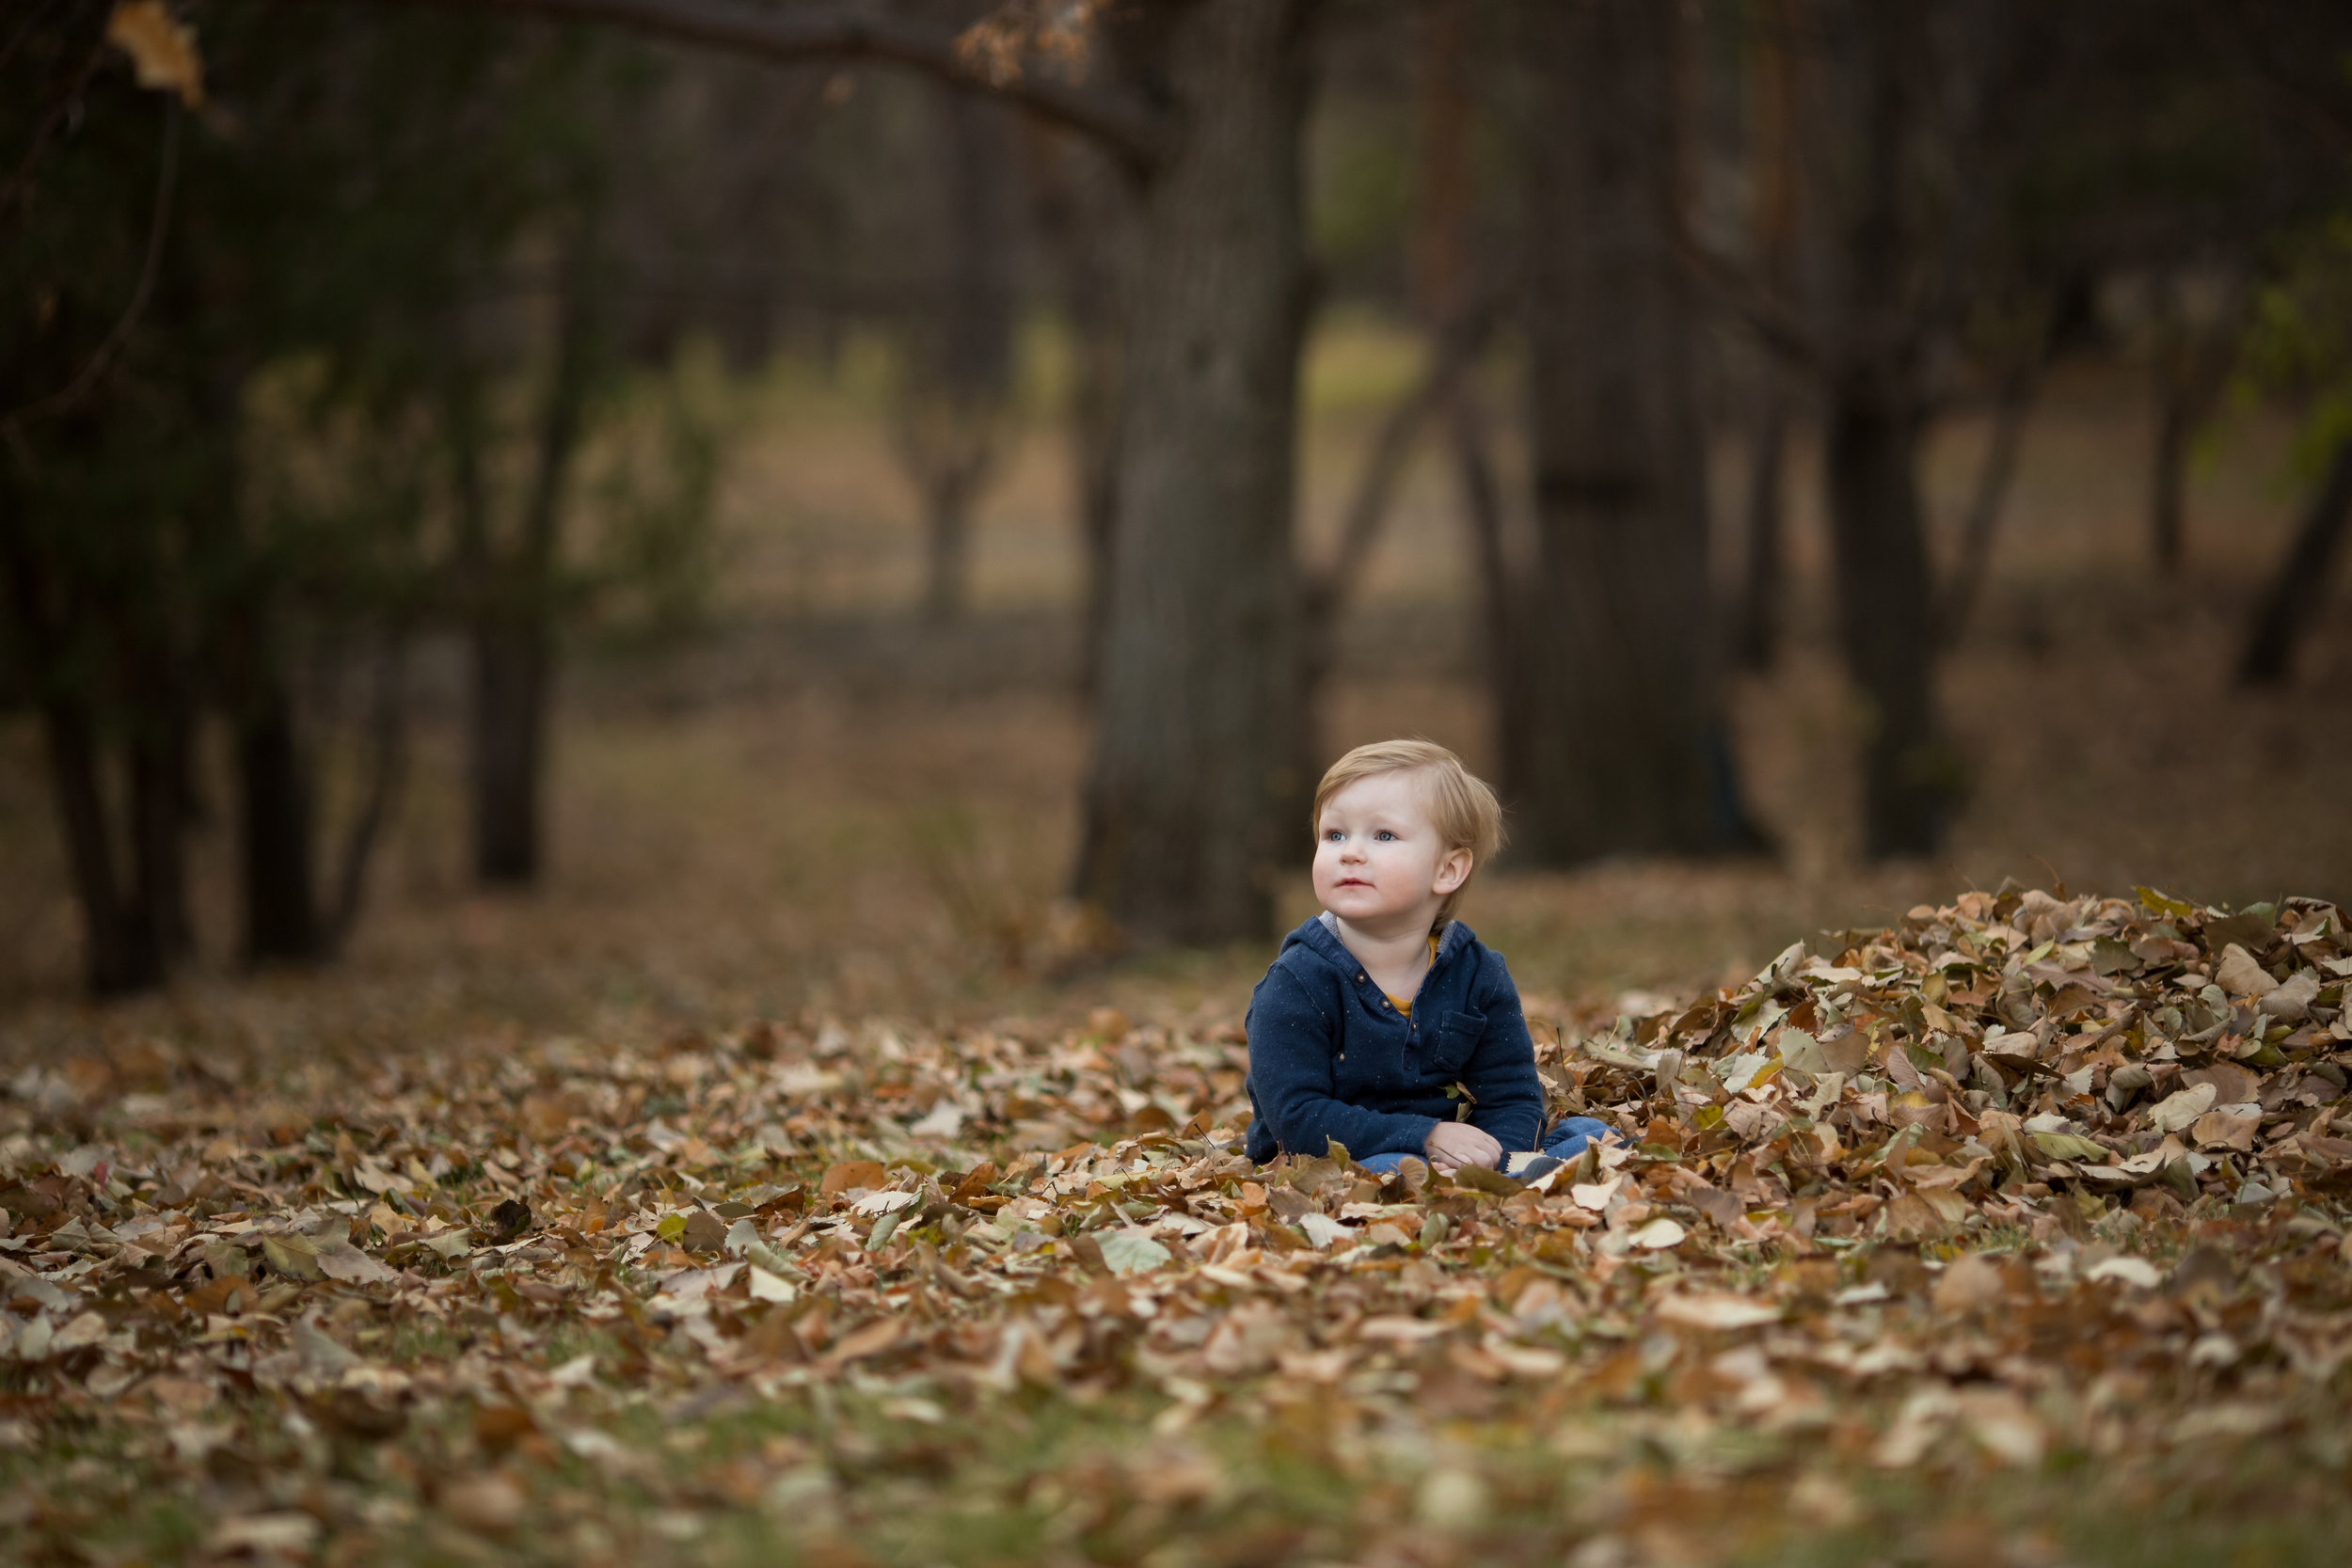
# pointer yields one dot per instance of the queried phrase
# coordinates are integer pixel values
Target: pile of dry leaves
(2023, 1180)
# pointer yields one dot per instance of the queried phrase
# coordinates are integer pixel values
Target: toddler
(1383, 1023)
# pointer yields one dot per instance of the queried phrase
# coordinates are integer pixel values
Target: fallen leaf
(1131, 1252)
(1715, 1311)
(162, 50)
(1659, 1234)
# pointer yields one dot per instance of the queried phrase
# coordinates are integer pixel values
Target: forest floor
(561, 1226)
(2014, 1233)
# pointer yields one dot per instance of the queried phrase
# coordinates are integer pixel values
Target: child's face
(1378, 858)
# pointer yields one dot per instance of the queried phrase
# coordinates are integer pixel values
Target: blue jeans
(1567, 1142)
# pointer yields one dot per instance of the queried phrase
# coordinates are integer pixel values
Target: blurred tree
(1773, 59)
(86, 214)
(1199, 778)
(954, 389)
(294, 274)
(1617, 745)
(1084, 213)
(1199, 769)
(2199, 322)
(2301, 344)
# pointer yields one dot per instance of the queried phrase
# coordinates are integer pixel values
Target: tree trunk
(160, 812)
(508, 727)
(513, 634)
(2167, 501)
(948, 551)
(961, 378)
(1617, 697)
(2195, 351)
(1502, 604)
(1772, 87)
(1079, 209)
(388, 747)
(1763, 571)
(1884, 611)
(281, 917)
(1199, 776)
(2302, 580)
(118, 952)
(1974, 560)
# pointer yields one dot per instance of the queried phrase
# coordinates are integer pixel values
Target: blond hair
(1461, 806)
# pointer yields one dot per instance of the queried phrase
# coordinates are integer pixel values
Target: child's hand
(1452, 1144)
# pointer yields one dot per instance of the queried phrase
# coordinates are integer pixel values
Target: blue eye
(1333, 835)
(1385, 833)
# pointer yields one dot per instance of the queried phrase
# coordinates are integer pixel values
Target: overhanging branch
(1120, 124)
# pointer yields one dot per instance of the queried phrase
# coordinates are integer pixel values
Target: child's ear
(1453, 871)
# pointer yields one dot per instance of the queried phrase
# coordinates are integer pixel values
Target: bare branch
(1748, 296)
(1120, 123)
(1456, 348)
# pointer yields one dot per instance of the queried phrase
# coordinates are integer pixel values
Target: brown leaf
(873, 1340)
(163, 51)
(705, 1232)
(2240, 975)
(1970, 1283)
(223, 1297)
(2231, 1083)
(851, 1174)
(488, 1505)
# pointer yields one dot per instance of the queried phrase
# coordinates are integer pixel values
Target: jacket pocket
(1453, 1040)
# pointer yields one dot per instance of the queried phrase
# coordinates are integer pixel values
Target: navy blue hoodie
(1330, 1057)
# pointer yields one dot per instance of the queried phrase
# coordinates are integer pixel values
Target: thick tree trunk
(1883, 611)
(1886, 620)
(508, 725)
(2302, 580)
(1617, 699)
(1773, 92)
(1199, 776)
(281, 915)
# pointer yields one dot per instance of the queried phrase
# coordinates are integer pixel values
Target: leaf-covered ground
(2013, 1234)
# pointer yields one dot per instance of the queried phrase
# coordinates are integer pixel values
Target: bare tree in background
(2199, 322)
(1085, 214)
(951, 412)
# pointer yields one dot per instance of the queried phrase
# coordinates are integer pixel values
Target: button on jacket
(1331, 1058)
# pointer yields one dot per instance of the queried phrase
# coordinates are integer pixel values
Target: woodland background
(660, 664)
(454, 455)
